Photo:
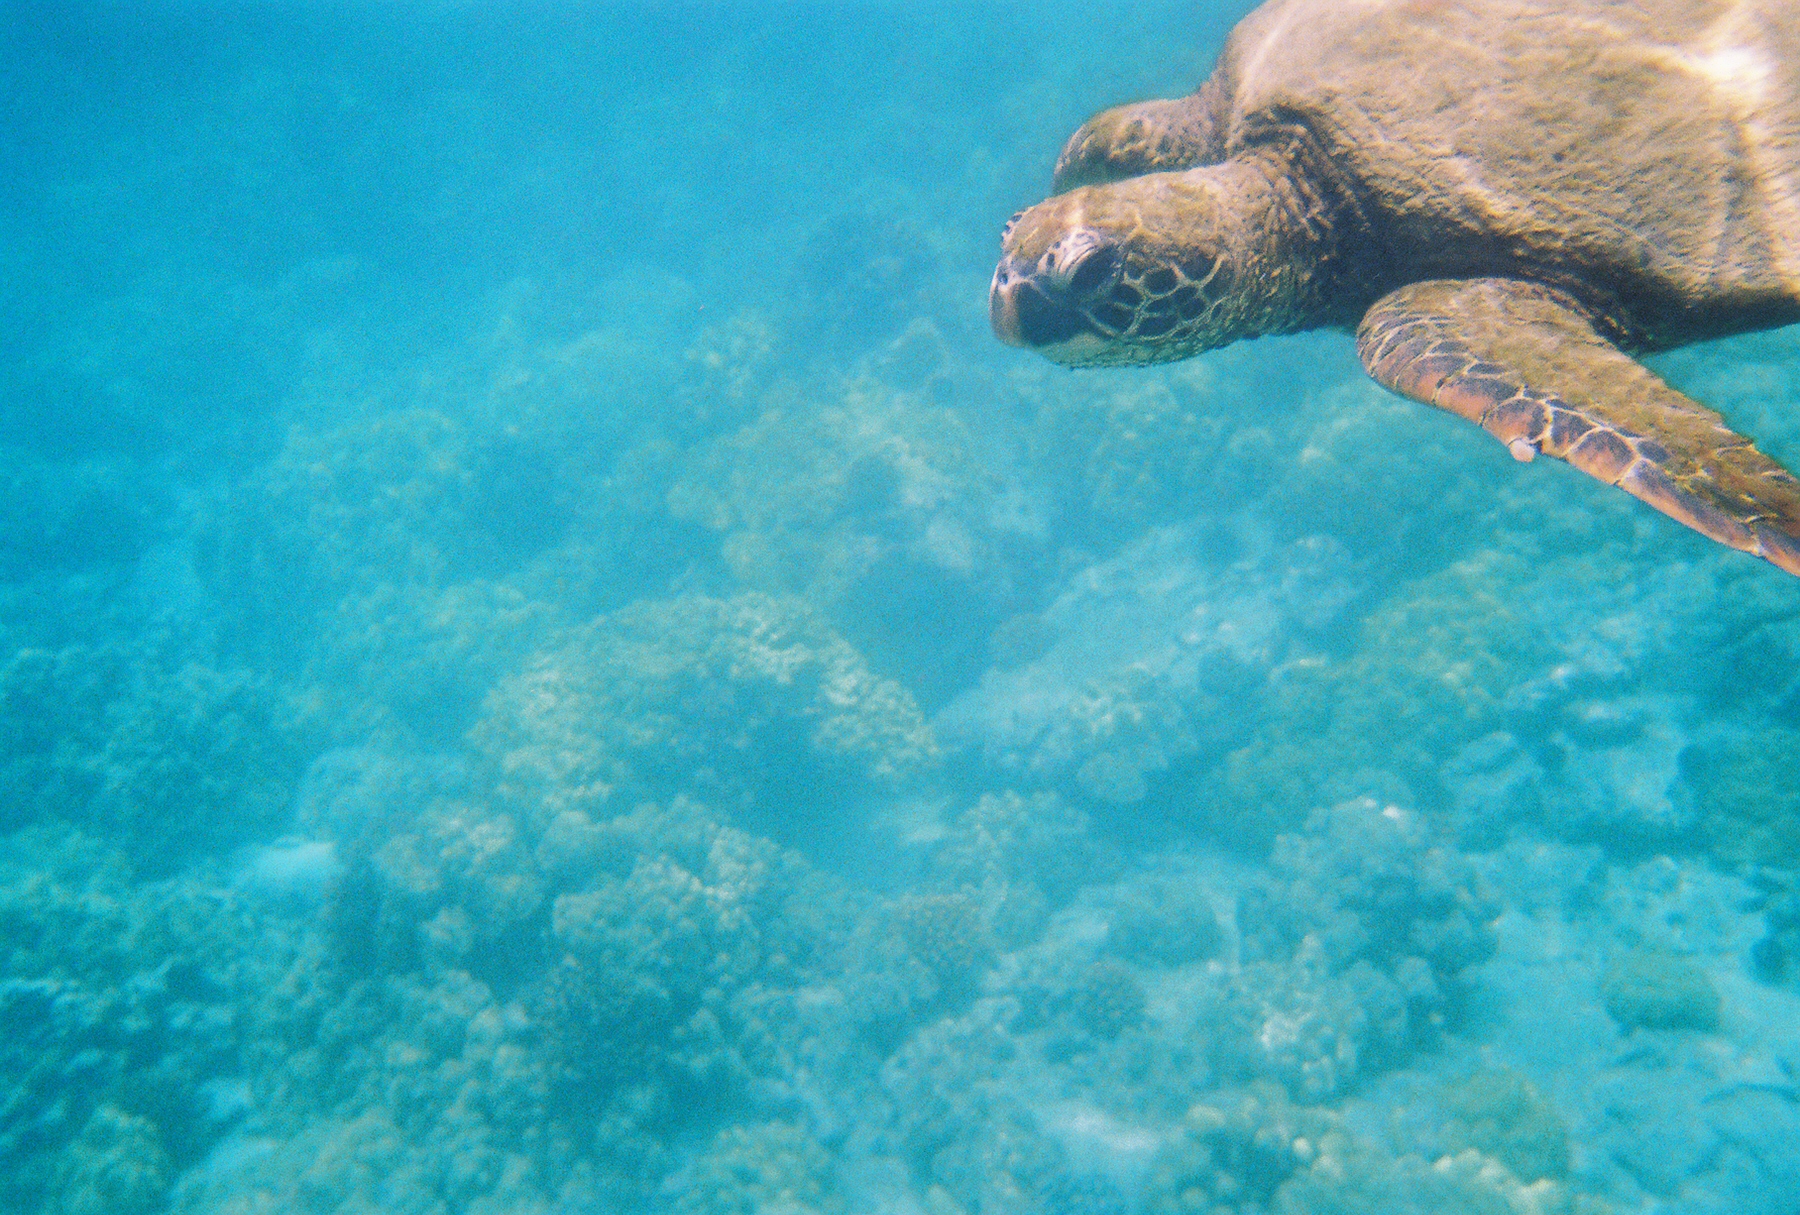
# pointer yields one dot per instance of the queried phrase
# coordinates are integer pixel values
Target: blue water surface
(550, 664)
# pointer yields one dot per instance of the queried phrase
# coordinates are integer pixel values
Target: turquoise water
(549, 663)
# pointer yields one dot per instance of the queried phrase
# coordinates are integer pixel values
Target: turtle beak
(1003, 303)
(1042, 304)
(1029, 308)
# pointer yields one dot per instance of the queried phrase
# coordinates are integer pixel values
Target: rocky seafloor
(585, 682)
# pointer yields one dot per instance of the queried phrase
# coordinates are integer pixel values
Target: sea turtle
(1506, 199)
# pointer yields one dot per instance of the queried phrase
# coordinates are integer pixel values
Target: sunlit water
(550, 663)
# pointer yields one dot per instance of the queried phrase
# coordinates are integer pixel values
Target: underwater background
(550, 664)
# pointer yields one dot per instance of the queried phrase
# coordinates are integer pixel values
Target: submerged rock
(1654, 989)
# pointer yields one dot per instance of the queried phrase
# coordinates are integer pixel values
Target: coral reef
(947, 935)
(1148, 653)
(1747, 786)
(1020, 858)
(120, 1002)
(1144, 453)
(116, 1166)
(1510, 690)
(650, 966)
(1349, 1178)
(1314, 1031)
(406, 1098)
(748, 699)
(1429, 672)
(880, 503)
(386, 499)
(962, 1130)
(1356, 943)
(125, 742)
(1168, 922)
(549, 665)
(1235, 1156)
(1777, 954)
(767, 1169)
(1261, 1154)
(426, 869)
(1502, 1115)
(1404, 516)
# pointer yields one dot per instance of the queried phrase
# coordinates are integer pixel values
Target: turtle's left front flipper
(1524, 362)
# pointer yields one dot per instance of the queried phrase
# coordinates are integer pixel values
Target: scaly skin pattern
(1203, 257)
(1145, 137)
(1523, 361)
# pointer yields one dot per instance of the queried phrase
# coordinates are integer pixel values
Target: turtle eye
(1006, 232)
(1095, 271)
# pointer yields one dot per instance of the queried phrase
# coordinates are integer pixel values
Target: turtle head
(1145, 270)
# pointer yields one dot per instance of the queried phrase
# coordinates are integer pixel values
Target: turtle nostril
(1095, 271)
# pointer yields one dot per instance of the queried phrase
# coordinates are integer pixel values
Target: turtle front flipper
(1523, 361)
(1132, 140)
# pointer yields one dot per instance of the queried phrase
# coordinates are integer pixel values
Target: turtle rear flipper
(1523, 361)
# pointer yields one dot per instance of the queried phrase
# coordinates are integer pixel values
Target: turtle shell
(1649, 149)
